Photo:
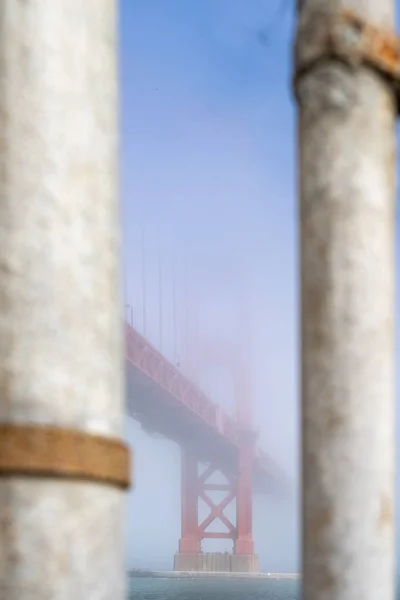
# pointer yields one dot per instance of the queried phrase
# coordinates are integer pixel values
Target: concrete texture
(347, 210)
(60, 330)
(216, 562)
(245, 563)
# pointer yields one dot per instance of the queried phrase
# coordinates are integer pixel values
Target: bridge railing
(146, 358)
(155, 366)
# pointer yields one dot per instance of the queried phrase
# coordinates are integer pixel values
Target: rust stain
(328, 580)
(320, 522)
(333, 420)
(386, 512)
(378, 44)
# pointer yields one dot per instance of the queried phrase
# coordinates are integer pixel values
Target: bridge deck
(164, 401)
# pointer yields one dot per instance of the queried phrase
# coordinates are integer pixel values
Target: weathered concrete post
(347, 176)
(62, 466)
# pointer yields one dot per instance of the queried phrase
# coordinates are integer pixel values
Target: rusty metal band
(348, 38)
(50, 452)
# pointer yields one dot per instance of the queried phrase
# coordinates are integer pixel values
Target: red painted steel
(195, 486)
(164, 400)
(244, 543)
(147, 359)
(190, 543)
(220, 353)
(174, 390)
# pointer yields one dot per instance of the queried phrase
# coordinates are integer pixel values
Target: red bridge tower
(236, 472)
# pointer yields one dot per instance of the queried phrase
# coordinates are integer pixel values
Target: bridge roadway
(164, 401)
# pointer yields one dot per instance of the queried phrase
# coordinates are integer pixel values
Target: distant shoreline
(139, 573)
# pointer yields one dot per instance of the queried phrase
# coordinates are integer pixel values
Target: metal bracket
(51, 452)
(347, 37)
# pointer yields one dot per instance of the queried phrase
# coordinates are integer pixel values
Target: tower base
(245, 563)
(188, 562)
(216, 562)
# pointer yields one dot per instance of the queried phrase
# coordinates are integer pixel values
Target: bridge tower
(236, 474)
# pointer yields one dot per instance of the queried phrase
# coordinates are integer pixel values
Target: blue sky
(208, 159)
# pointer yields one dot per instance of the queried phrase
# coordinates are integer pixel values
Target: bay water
(213, 589)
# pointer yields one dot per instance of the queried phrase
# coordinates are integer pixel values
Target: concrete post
(347, 175)
(60, 324)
